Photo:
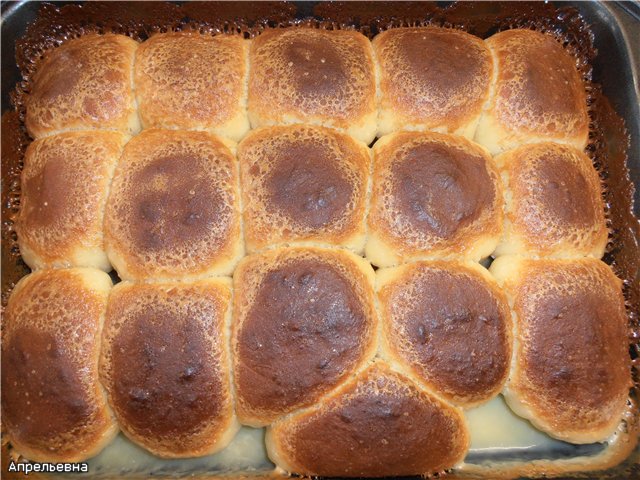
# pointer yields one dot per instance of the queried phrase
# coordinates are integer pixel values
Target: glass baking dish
(503, 445)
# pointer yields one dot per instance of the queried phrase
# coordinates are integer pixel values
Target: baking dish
(613, 27)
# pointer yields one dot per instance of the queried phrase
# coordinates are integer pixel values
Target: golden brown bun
(53, 407)
(571, 372)
(65, 183)
(431, 79)
(174, 207)
(537, 94)
(310, 75)
(165, 364)
(303, 183)
(190, 81)
(449, 325)
(554, 204)
(303, 320)
(379, 424)
(85, 84)
(434, 196)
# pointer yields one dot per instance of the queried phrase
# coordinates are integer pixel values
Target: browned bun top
(63, 192)
(307, 188)
(188, 80)
(556, 197)
(433, 190)
(85, 83)
(302, 182)
(436, 76)
(450, 326)
(312, 75)
(309, 71)
(173, 207)
(53, 408)
(572, 365)
(379, 424)
(538, 89)
(440, 190)
(165, 364)
(304, 319)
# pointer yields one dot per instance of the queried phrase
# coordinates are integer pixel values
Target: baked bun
(449, 325)
(190, 81)
(310, 75)
(303, 321)
(571, 371)
(554, 202)
(53, 407)
(65, 183)
(431, 79)
(379, 424)
(537, 95)
(174, 207)
(84, 84)
(165, 364)
(302, 183)
(434, 196)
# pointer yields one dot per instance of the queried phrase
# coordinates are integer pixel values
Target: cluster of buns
(355, 371)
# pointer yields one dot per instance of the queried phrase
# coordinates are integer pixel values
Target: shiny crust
(395, 366)
(434, 196)
(194, 82)
(84, 84)
(554, 204)
(378, 424)
(53, 407)
(431, 79)
(174, 207)
(309, 75)
(448, 325)
(303, 321)
(571, 373)
(165, 364)
(303, 183)
(537, 94)
(65, 183)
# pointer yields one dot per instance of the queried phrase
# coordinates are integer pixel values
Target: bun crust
(302, 183)
(431, 79)
(538, 94)
(65, 183)
(571, 371)
(322, 277)
(53, 406)
(85, 84)
(165, 364)
(174, 207)
(434, 196)
(193, 81)
(379, 424)
(554, 204)
(449, 325)
(304, 320)
(310, 75)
